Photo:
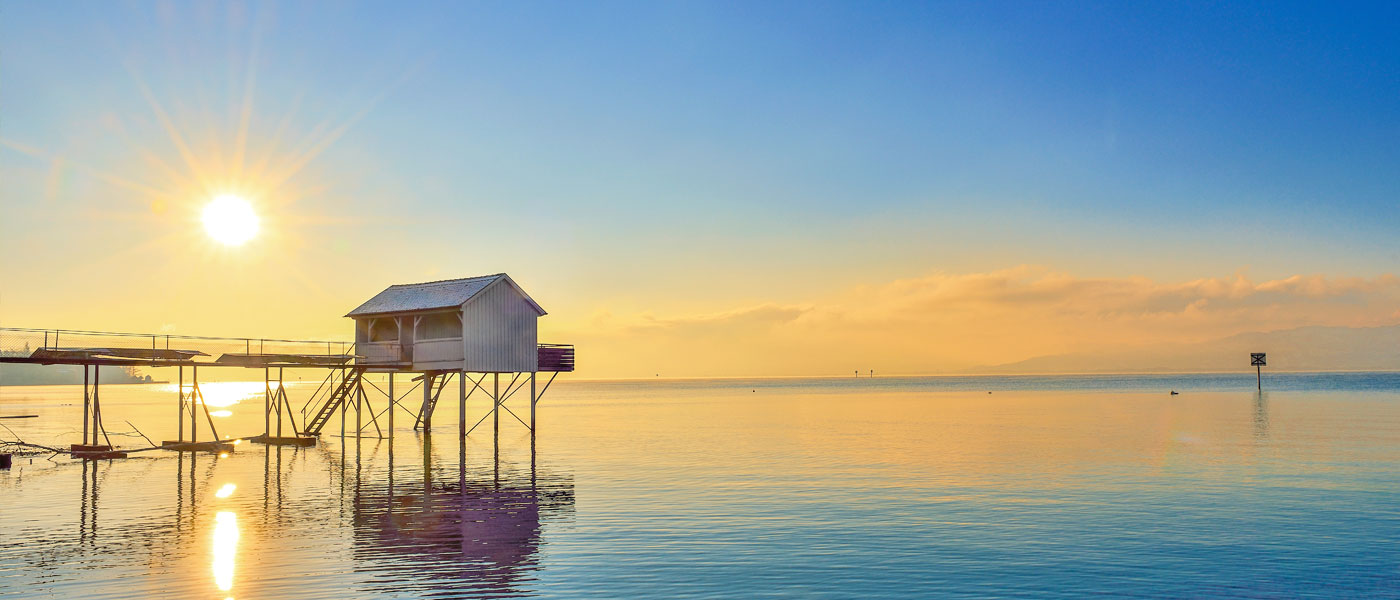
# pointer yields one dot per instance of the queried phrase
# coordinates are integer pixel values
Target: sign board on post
(1256, 359)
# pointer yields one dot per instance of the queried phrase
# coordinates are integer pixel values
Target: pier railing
(17, 341)
(76, 346)
(556, 357)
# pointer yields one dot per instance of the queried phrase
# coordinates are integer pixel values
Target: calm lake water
(1048, 487)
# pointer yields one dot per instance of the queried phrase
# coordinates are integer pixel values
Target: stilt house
(481, 324)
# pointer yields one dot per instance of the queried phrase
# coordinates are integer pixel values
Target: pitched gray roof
(449, 293)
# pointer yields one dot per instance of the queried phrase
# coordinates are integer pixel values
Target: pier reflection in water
(405, 519)
(475, 532)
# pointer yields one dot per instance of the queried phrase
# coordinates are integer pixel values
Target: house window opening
(440, 326)
(384, 330)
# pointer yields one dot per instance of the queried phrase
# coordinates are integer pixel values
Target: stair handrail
(311, 400)
(326, 407)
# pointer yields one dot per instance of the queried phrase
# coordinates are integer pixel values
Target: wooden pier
(458, 331)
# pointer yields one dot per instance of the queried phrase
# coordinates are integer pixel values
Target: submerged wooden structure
(463, 331)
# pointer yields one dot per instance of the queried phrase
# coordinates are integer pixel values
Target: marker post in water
(1256, 360)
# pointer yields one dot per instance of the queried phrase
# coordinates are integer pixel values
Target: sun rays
(136, 190)
(198, 183)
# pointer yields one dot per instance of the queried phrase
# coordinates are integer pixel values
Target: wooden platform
(94, 452)
(183, 446)
(273, 440)
(99, 455)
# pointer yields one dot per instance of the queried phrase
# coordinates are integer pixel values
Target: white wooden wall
(499, 331)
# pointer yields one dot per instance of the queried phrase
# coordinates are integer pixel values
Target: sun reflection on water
(223, 394)
(225, 546)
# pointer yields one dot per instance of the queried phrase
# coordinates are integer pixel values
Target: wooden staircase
(339, 394)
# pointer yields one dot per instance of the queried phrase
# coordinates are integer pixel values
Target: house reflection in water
(478, 532)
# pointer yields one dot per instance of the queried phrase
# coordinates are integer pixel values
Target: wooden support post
(194, 387)
(393, 403)
(180, 392)
(1259, 378)
(344, 405)
(359, 406)
(85, 403)
(279, 402)
(496, 453)
(533, 398)
(96, 402)
(462, 403)
(496, 404)
(267, 404)
(425, 414)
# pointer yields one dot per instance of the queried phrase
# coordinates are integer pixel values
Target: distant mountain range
(1300, 349)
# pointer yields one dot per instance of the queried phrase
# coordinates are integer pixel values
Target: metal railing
(20, 341)
(556, 357)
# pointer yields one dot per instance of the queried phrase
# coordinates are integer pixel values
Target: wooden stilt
(85, 403)
(344, 406)
(426, 413)
(96, 402)
(194, 425)
(279, 403)
(180, 392)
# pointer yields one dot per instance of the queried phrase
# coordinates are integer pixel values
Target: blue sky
(693, 156)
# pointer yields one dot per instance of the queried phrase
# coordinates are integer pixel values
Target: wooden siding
(434, 353)
(499, 331)
(378, 352)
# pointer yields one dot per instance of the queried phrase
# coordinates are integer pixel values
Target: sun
(230, 220)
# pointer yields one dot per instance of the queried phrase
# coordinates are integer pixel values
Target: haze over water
(918, 487)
